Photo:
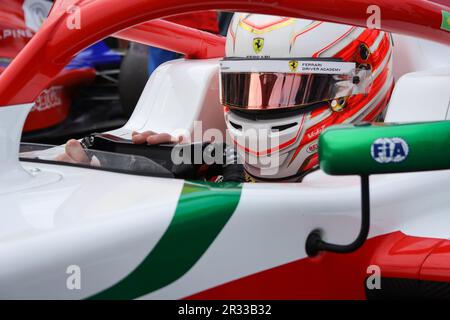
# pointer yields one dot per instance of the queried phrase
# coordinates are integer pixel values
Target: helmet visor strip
(280, 84)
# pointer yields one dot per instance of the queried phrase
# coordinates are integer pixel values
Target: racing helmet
(284, 80)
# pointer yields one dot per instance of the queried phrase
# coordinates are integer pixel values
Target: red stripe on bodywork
(343, 276)
(437, 265)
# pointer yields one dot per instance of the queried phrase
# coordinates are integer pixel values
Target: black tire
(133, 77)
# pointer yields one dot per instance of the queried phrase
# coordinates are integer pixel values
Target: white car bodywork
(56, 217)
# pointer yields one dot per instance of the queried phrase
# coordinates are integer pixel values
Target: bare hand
(74, 152)
(151, 137)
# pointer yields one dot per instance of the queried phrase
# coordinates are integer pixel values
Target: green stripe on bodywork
(445, 20)
(202, 212)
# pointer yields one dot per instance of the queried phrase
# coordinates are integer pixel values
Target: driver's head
(285, 80)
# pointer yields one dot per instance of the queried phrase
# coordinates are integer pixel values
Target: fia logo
(388, 150)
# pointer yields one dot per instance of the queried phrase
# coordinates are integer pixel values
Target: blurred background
(100, 87)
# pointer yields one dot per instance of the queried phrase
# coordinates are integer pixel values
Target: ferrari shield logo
(258, 44)
(293, 65)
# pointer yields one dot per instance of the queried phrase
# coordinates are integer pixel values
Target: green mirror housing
(366, 149)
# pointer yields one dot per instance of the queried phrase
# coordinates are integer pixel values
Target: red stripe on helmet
(349, 53)
(309, 28)
(264, 26)
(312, 133)
(372, 116)
(377, 57)
(355, 104)
(271, 150)
(316, 55)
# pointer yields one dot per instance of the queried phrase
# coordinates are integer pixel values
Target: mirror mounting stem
(315, 243)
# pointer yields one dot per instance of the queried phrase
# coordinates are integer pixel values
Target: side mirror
(366, 149)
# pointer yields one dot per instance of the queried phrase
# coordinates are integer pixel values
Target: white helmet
(285, 80)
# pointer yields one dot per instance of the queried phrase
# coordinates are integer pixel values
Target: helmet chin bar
(315, 243)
